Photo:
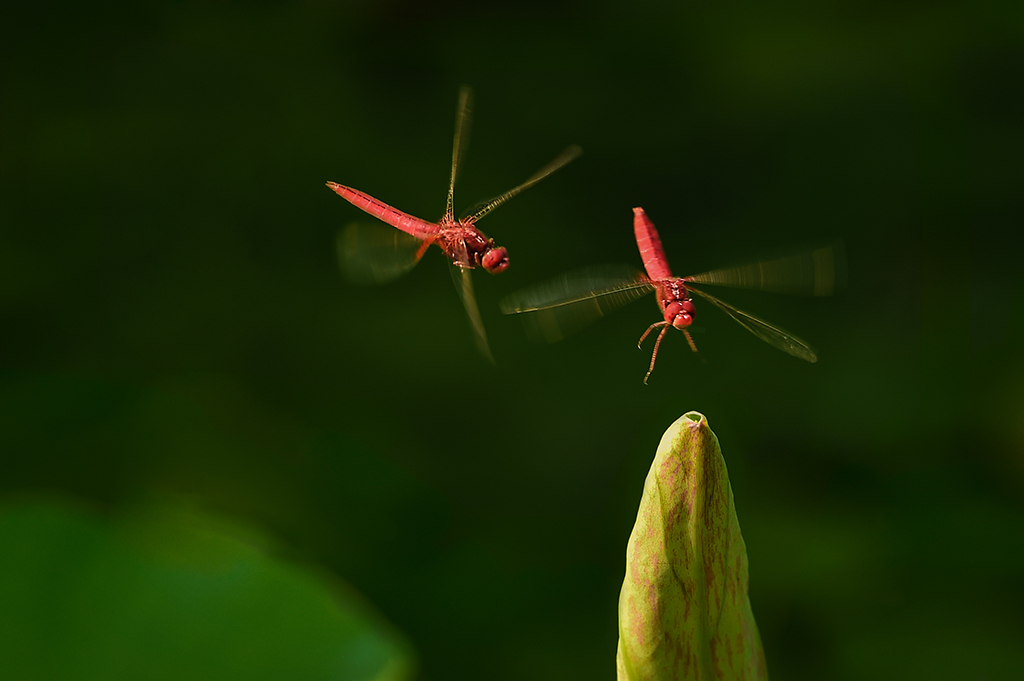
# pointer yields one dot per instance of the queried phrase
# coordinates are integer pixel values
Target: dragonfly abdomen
(382, 211)
(649, 243)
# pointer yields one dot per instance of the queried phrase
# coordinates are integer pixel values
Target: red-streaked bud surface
(683, 609)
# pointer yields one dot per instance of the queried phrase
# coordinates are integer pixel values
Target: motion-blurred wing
(814, 272)
(462, 276)
(482, 208)
(371, 253)
(565, 305)
(769, 333)
(463, 121)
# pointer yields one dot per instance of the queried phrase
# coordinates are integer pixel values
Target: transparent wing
(462, 276)
(372, 253)
(813, 272)
(463, 118)
(769, 333)
(484, 207)
(567, 304)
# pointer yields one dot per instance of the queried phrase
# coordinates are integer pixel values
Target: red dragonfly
(575, 299)
(370, 254)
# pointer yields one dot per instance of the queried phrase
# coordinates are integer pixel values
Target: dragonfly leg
(654, 355)
(689, 340)
(650, 328)
(423, 247)
(693, 346)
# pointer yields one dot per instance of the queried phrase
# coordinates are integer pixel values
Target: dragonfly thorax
(467, 247)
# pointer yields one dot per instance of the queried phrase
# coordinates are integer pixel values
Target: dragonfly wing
(567, 304)
(463, 120)
(462, 276)
(769, 333)
(482, 208)
(370, 253)
(813, 272)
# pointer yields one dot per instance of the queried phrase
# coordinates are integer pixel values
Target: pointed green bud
(684, 612)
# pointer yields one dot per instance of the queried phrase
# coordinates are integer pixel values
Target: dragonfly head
(495, 260)
(680, 313)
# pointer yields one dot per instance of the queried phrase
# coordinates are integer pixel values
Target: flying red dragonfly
(575, 299)
(371, 254)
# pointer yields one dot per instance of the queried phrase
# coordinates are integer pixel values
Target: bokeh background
(173, 323)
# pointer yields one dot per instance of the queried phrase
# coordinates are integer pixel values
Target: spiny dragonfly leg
(689, 340)
(650, 328)
(423, 247)
(693, 346)
(654, 355)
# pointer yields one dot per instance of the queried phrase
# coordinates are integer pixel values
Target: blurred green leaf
(683, 609)
(172, 593)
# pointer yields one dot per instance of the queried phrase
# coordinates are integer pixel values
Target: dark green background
(172, 319)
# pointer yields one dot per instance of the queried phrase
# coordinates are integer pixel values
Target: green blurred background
(173, 323)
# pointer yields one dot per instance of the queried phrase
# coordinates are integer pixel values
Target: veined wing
(463, 121)
(565, 305)
(462, 276)
(769, 333)
(815, 272)
(371, 253)
(484, 207)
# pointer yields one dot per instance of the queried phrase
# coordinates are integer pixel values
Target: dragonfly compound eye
(679, 314)
(495, 260)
